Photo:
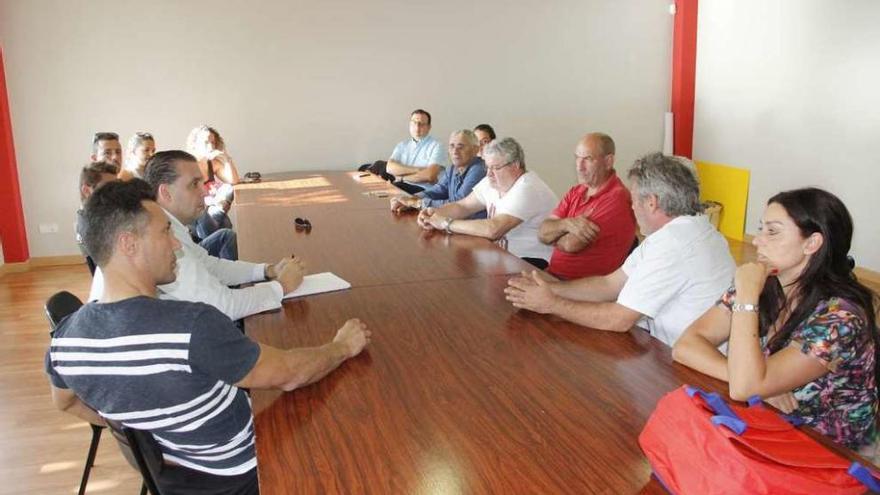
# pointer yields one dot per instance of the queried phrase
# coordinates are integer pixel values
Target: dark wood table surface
(458, 392)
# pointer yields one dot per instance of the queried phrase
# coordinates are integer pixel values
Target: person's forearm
(698, 353)
(228, 172)
(589, 289)
(746, 365)
(599, 316)
(398, 169)
(307, 366)
(486, 228)
(453, 210)
(570, 243)
(551, 230)
(426, 174)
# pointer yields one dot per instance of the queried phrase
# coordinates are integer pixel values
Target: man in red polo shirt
(593, 227)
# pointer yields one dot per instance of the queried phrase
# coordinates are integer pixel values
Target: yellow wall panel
(730, 187)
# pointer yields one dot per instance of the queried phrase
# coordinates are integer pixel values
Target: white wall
(324, 85)
(789, 89)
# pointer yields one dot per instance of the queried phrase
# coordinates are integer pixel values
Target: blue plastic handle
(793, 420)
(724, 415)
(865, 476)
(714, 400)
(734, 424)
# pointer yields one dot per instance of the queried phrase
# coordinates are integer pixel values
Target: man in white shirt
(680, 270)
(178, 183)
(517, 202)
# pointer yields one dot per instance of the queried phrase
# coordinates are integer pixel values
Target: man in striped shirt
(173, 368)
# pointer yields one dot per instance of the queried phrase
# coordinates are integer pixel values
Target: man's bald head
(594, 158)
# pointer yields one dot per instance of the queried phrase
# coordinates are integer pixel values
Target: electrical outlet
(48, 228)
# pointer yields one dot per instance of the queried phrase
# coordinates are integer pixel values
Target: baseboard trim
(40, 262)
(72, 259)
(14, 268)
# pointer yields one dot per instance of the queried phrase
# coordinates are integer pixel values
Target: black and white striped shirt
(167, 367)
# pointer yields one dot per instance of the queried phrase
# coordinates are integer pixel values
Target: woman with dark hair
(800, 328)
(485, 135)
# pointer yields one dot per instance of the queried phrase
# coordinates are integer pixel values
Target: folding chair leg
(90, 459)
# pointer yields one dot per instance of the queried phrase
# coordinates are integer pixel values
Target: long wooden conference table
(459, 392)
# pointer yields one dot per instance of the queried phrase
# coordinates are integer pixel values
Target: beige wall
(788, 89)
(324, 85)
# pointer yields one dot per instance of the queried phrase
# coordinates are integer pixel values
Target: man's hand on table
(354, 336)
(428, 220)
(288, 272)
(531, 292)
(402, 203)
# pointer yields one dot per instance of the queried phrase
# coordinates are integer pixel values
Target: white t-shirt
(675, 275)
(530, 200)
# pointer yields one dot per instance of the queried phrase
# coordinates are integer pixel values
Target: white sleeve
(234, 303)
(654, 277)
(228, 272)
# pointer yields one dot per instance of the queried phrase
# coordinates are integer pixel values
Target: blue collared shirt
(453, 186)
(420, 154)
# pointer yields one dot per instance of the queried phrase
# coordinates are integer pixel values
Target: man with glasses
(456, 182)
(666, 283)
(517, 201)
(593, 227)
(417, 161)
(107, 148)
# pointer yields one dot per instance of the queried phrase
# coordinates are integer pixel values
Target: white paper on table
(317, 284)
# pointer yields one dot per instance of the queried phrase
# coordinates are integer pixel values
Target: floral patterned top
(841, 404)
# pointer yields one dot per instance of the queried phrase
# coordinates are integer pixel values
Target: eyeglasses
(459, 147)
(420, 124)
(496, 169)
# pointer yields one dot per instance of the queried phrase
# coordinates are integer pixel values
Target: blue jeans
(212, 219)
(223, 243)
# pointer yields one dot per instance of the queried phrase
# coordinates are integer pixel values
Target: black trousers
(178, 480)
(410, 188)
(538, 263)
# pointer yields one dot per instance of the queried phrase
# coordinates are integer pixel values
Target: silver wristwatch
(737, 307)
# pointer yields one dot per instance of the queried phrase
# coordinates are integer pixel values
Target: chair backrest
(635, 244)
(60, 306)
(141, 450)
(91, 264)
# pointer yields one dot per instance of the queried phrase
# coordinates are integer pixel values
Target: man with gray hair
(456, 182)
(682, 267)
(517, 201)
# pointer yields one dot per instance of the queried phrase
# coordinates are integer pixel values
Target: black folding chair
(91, 264)
(58, 307)
(142, 451)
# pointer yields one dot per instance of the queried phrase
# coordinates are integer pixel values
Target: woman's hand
(784, 402)
(749, 282)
